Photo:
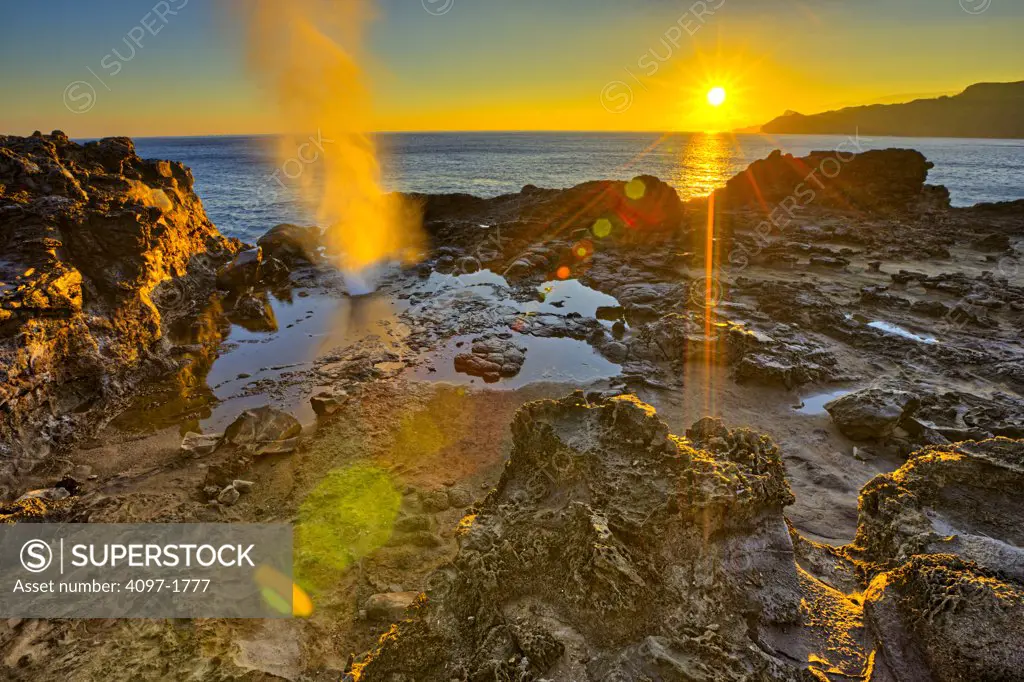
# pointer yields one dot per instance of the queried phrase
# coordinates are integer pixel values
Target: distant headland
(992, 110)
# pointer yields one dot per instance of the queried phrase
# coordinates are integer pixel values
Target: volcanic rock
(292, 244)
(607, 527)
(264, 430)
(943, 543)
(877, 180)
(389, 607)
(198, 444)
(242, 272)
(492, 357)
(325, 404)
(872, 413)
(228, 496)
(101, 251)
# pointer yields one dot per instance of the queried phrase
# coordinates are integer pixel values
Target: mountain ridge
(985, 110)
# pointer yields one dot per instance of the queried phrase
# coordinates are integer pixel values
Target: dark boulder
(242, 272)
(872, 413)
(877, 181)
(292, 244)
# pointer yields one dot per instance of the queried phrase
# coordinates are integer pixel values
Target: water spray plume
(308, 54)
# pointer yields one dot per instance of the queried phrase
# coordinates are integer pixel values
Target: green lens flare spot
(636, 189)
(276, 601)
(602, 228)
(350, 514)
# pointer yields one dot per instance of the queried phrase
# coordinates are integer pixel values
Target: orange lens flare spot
(636, 189)
(281, 594)
(602, 228)
(302, 605)
(563, 272)
(583, 249)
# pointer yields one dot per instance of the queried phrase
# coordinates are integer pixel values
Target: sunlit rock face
(611, 550)
(942, 538)
(98, 253)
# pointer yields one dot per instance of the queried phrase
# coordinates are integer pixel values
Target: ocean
(246, 189)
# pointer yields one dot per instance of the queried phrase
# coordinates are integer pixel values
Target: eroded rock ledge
(611, 550)
(101, 250)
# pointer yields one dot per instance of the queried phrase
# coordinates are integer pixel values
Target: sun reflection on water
(705, 163)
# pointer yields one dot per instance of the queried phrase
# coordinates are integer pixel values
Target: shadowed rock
(872, 413)
(877, 181)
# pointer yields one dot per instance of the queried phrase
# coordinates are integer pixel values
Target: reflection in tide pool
(900, 331)
(232, 365)
(230, 369)
(815, 404)
(548, 359)
(571, 296)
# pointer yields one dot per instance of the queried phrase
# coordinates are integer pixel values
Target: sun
(716, 96)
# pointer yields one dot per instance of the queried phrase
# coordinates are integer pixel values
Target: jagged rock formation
(942, 544)
(611, 550)
(100, 251)
(878, 181)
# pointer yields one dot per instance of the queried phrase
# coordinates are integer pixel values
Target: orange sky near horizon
(492, 65)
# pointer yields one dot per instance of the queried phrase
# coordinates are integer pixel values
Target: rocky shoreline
(866, 525)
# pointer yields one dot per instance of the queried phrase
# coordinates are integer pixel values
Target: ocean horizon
(247, 189)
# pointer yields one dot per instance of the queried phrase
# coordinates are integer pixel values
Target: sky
(504, 64)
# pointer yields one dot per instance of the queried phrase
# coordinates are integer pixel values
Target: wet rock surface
(492, 357)
(872, 413)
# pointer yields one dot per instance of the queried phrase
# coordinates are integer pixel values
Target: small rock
(242, 486)
(48, 494)
(199, 445)
(459, 498)
(872, 413)
(435, 501)
(264, 430)
(389, 607)
(228, 496)
(492, 357)
(326, 404)
(242, 272)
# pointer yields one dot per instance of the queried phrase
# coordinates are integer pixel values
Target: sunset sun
(716, 96)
